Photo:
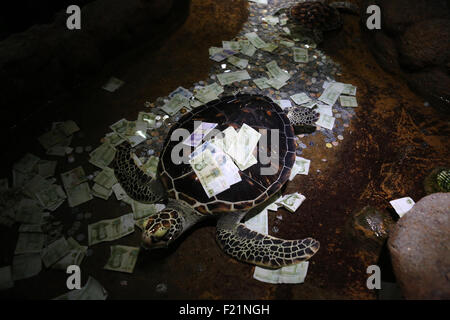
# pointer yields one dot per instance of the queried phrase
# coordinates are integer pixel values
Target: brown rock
(420, 249)
(426, 43)
(386, 52)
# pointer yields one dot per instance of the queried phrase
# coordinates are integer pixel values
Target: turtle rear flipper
(263, 250)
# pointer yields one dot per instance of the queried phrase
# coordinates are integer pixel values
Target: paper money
(112, 229)
(122, 259)
(55, 251)
(221, 54)
(262, 83)
(143, 210)
(325, 109)
(46, 168)
(35, 184)
(51, 197)
(259, 1)
(100, 191)
(28, 211)
(113, 138)
(209, 93)
(59, 151)
(103, 155)
(52, 138)
(347, 101)
(112, 84)
(147, 117)
(230, 77)
(247, 139)
(326, 121)
(74, 257)
(6, 279)
(300, 98)
(27, 163)
(332, 93)
(238, 62)
(30, 243)
(256, 40)
(209, 174)
(26, 266)
(271, 20)
(119, 192)
(231, 45)
(79, 194)
(247, 48)
(276, 83)
(224, 161)
(292, 201)
(276, 72)
(288, 44)
(402, 205)
(349, 90)
(106, 178)
(259, 222)
(291, 274)
(270, 47)
(151, 166)
(300, 55)
(199, 134)
(180, 90)
(68, 127)
(175, 104)
(284, 104)
(301, 166)
(93, 290)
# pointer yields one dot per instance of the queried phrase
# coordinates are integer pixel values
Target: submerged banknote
(92, 290)
(100, 191)
(51, 197)
(112, 229)
(347, 101)
(262, 83)
(402, 205)
(238, 62)
(73, 177)
(291, 201)
(122, 259)
(143, 210)
(326, 121)
(291, 274)
(147, 117)
(209, 173)
(231, 45)
(27, 163)
(220, 54)
(75, 256)
(332, 93)
(55, 251)
(247, 48)
(199, 134)
(209, 93)
(301, 166)
(79, 194)
(256, 40)
(276, 72)
(103, 155)
(230, 77)
(175, 104)
(300, 98)
(30, 243)
(25, 266)
(151, 166)
(246, 141)
(106, 178)
(300, 55)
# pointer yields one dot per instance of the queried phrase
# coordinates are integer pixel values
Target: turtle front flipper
(303, 119)
(138, 185)
(263, 250)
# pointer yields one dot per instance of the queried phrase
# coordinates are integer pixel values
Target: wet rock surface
(414, 43)
(420, 249)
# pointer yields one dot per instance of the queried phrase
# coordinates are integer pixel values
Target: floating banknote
(119, 191)
(270, 47)
(114, 139)
(209, 93)
(256, 40)
(301, 166)
(27, 163)
(231, 45)
(300, 98)
(286, 43)
(247, 48)
(35, 184)
(68, 127)
(52, 138)
(74, 257)
(175, 104)
(79, 194)
(326, 121)
(30, 243)
(292, 201)
(221, 55)
(103, 155)
(347, 101)
(199, 134)
(93, 290)
(230, 77)
(276, 83)
(324, 109)
(142, 210)
(47, 168)
(55, 251)
(349, 90)
(25, 266)
(300, 55)
(291, 274)
(209, 174)
(332, 93)
(271, 20)
(262, 83)
(238, 62)
(402, 205)
(106, 178)
(284, 104)
(180, 90)
(112, 229)
(28, 211)
(122, 259)
(276, 72)
(73, 177)
(100, 191)
(112, 84)
(151, 166)
(51, 197)
(147, 117)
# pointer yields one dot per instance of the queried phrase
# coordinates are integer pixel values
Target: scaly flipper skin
(303, 119)
(266, 251)
(138, 185)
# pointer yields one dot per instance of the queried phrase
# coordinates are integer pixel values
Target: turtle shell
(257, 111)
(316, 15)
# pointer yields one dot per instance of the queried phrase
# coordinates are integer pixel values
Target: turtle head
(162, 229)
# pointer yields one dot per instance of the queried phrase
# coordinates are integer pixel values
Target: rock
(370, 227)
(426, 43)
(386, 52)
(419, 245)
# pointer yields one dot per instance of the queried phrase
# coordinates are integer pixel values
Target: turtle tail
(138, 185)
(259, 249)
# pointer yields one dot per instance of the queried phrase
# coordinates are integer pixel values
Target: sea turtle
(186, 201)
(308, 20)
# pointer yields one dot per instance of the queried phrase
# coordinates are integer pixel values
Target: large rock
(420, 249)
